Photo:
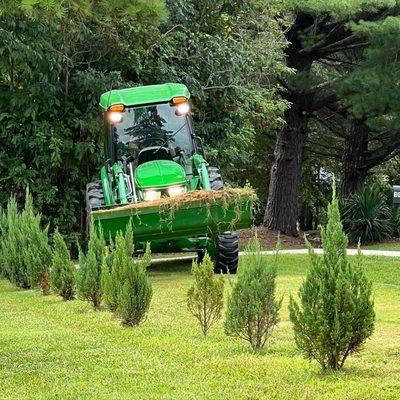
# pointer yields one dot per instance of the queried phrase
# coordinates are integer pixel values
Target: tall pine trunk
(354, 163)
(283, 199)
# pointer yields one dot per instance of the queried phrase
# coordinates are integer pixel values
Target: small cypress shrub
(63, 270)
(253, 310)
(114, 278)
(336, 314)
(89, 282)
(25, 253)
(127, 289)
(3, 234)
(205, 297)
(136, 293)
(12, 245)
(36, 251)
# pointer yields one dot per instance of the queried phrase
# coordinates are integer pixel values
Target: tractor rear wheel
(226, 244)
(94, 198)
(227, 253)
(215, 177)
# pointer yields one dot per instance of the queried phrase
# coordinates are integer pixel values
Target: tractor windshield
(152, 126)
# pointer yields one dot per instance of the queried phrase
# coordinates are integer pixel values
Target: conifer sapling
(136, 293)
(335, 315)
(205, 297)
(36, 251)
(63, 269)
(12, 245)
(253, 310)
(89, 281)
(114, 280)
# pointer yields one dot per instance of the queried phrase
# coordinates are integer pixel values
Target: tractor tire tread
(94, 198)
(216, 181)
(228, 253)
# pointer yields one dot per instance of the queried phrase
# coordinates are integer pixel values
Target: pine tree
(63, 269)
(89, 281)
(253, 310)
(205, 297)
(336, 314)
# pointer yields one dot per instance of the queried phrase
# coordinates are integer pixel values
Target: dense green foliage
(63, 272)
(89, 281)
(366, 216)
(205, 296)
(253, 310)
(53, 69)
(336, 313)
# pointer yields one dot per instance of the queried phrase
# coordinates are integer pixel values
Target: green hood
(159, 174)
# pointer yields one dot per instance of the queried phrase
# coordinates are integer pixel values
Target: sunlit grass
(393, 246)
(50, 349)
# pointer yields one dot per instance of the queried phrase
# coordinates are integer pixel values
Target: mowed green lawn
(391, 246)
(55, 350)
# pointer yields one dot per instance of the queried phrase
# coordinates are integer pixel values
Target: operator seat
(154, 153)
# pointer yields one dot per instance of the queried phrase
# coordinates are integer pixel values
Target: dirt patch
(269, 238)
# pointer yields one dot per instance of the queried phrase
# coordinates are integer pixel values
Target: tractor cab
(154, 163)
(152, 142)
(152, 132)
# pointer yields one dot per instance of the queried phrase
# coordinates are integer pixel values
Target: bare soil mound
(269, 238)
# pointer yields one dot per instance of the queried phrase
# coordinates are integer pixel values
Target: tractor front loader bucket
(197, 213)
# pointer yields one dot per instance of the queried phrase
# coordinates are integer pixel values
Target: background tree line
(301, 89)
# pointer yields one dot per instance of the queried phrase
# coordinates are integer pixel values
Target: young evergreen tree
(3, 234)
(24, 246)
(336, 313)
(205, 297)
(136, 293)
(63, 269)
(127, 288)
(253, 310)
(12, 245)
(113, 280)
(89, 282)
(36, 251)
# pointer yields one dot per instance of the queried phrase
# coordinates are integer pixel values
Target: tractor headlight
(176, 191)
(115, 117)
(151, 195)
(183, 108)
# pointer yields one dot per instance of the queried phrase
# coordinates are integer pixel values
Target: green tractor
(156, 178)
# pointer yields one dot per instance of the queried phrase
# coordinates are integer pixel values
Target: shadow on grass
(170, 266)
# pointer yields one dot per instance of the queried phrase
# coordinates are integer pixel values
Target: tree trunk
(282, 207)
(354, 164)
